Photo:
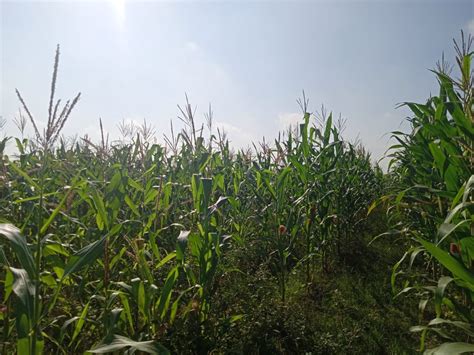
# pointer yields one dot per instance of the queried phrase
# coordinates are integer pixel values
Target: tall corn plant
(36, 292)
(336, 184)
(28, 284)
(433, 166)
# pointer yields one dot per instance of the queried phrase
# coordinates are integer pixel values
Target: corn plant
(459, 264)
(433, 166)
(122, 245)
(205, 243)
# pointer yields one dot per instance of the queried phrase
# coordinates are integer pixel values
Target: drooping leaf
(120, 343)
(451, 349)
(88, 254)
(20, 247)
(24, 289)
(450, 263)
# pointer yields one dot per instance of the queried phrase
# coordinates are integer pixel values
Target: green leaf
(132, 206)
(112, 320)
(65, 326)
(54, 248)
(8, 285)
(33, 198)
(174, 306)
(439, 293)
(451, 349)
(140, 298)
(150, 196)
(445, 230)
(19, 246)
(467, 250)
(25, 176)
(127, 311)
(165, 259)
(438, 156)
(135, 184)
(449, 262)
(101, 217)
(55, 213)
(85, 256)
(281, 180)
(164, 301)
(466, 327)
(88, 254)
(80, 323)
(327, 130)
(24, 288)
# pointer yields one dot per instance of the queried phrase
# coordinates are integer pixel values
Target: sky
(135, 60)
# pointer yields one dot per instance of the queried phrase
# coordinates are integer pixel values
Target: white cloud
(238, 137)
(192, 46)
(292, 119)
(229, 128)
(470, 26)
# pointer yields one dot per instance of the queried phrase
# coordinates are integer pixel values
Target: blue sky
(133, 60)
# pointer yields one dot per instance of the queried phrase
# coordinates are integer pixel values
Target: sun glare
(119, 9)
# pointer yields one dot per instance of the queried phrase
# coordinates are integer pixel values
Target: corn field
(192, 246)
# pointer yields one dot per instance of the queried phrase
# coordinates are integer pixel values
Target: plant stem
(36, 305)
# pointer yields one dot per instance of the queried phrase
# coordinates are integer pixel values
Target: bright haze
(251, 60)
